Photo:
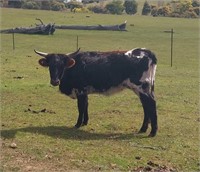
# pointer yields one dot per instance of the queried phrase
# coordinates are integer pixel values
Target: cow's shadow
(65, 132)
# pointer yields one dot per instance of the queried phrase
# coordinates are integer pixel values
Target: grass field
(48, 142)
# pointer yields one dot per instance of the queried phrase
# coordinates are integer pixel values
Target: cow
(79, 74)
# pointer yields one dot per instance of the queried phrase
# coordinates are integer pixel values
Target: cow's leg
(82, 108)
(86, 118)
(149, 105)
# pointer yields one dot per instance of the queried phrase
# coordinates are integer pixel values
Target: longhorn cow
(79, 74)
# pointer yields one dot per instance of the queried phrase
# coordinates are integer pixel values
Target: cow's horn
(41, 53)
(74, 53)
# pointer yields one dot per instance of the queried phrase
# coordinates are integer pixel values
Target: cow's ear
(43, 62)
(70, 63)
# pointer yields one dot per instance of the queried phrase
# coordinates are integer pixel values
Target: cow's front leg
(82, 108)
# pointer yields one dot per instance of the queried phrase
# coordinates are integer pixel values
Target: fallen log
(42, 29)
(121, 27)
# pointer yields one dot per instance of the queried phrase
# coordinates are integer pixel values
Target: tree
(115, 7)
(130, 6)
(146, 8)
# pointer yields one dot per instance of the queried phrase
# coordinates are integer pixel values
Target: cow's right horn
(41, 53)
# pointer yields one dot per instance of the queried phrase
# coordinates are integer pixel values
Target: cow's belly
(107, 92)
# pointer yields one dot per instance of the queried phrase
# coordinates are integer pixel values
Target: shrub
(164, 11)
(189, 14)
(73, 4)
(30, 5)
(146, 8)
(154, 10)
(57, 6)
(97, 9)
(115, 7)
(81, 10)
(195, 3)
(15, 4)
(130, 6)
(45, 5)
(196, 10)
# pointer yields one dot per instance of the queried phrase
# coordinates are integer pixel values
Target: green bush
(46, 5)
(130, 6)
(30, 5)
(189, 14)
(164, 11)
(97, 9)
(73, 4)
(57, 6)
(196, 10)
(115, 7)
(146, 8)
(195, 3)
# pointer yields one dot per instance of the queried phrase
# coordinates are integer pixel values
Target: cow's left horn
(74, 53)
(41, 53)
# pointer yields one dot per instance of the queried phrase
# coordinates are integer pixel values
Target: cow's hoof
(84, 123)
(152, 134)
(142, 131)
(77, 126)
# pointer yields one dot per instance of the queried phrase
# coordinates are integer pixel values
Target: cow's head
(57, 63)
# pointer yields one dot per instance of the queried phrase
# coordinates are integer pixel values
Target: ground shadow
(65, 132)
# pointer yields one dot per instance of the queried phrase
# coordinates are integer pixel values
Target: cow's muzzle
(55, 82)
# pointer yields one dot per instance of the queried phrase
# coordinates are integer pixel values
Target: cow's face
(57, 64)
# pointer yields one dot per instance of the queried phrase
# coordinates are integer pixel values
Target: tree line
(173, 8)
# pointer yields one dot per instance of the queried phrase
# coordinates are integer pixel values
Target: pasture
(40, 120)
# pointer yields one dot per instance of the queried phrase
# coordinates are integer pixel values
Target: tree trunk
(121, 27)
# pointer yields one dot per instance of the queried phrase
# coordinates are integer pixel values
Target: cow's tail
(153, 67)
(153, 74)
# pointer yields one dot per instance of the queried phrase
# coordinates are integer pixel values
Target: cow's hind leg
(150, 114)
(86, 118)
(146, 120)
(82, 109)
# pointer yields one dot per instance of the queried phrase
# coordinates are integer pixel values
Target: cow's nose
(55, 82)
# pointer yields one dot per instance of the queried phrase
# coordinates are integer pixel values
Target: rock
(13, 145)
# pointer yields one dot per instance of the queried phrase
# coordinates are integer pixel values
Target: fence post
(77, 43)
(172, 39)
(13, 38)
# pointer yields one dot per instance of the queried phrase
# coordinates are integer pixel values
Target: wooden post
(77, 43)
(13, 37)
(172, 47)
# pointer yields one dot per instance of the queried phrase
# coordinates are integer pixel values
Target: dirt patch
(43, 110)
(154, 167)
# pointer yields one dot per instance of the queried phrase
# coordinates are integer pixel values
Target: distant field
(48, 142)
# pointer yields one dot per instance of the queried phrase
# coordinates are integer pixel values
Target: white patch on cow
(147, 75)
(154, 66)
(128, 84)
(130, 53)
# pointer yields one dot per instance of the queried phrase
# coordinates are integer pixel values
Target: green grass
(48, 141)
